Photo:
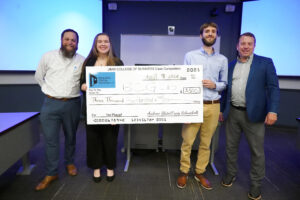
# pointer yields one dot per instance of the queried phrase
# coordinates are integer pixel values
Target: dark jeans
(54, 114)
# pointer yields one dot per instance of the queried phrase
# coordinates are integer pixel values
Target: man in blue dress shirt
(215, 67)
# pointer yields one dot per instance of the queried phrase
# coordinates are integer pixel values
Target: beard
(68, 53)
(207, 43)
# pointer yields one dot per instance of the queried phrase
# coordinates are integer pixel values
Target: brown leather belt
(61, 99)
(211, 102)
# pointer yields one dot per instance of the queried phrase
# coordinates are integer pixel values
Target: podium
(19, 133)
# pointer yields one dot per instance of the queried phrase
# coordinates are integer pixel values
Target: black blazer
(91, 62)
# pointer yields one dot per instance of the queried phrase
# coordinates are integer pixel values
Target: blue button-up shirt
(215, 68)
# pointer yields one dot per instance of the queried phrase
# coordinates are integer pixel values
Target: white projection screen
(29, 28)
(275, 23)
(158, 49)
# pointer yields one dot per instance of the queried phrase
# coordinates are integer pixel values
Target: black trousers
(101, 142)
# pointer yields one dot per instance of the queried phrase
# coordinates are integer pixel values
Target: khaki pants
(189, 132)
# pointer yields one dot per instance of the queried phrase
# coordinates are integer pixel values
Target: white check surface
(144, 94)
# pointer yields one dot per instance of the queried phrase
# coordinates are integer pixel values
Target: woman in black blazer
(101, 140)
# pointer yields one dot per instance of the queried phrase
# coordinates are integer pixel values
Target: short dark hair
(249, 34)
(207, 24)
(69, 30)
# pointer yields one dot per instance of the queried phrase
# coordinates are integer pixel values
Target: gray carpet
(152, 175)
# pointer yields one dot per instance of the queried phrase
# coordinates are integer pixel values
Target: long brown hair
(111, 61)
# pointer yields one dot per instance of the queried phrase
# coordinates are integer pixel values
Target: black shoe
(254, 193)
(97, 179)
(227, 180)
(110, 178)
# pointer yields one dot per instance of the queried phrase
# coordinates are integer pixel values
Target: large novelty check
(144, 94)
